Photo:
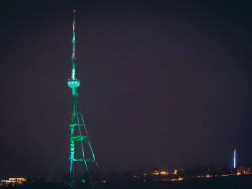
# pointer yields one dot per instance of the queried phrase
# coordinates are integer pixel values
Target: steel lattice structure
(82, 157)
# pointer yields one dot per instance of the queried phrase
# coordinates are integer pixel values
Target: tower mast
(234, 159)
(73, 48)
(81, 155)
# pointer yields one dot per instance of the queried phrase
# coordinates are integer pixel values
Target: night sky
(162, 84)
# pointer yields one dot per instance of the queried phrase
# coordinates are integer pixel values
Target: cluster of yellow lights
(244, 171)
(14, 181)
(178, 179)
(155, 173)
(18, 179)
(173, 180)
(163, 172)
(205, 176)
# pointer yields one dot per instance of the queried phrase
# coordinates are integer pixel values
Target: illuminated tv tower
(234, 159)
(82, 158)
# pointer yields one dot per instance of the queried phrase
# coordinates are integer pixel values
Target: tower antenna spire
(73, 47)
(234, 159)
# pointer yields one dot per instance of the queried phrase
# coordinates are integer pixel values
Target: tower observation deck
(83, 166)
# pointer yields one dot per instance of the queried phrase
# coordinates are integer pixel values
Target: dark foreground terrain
(238, 182)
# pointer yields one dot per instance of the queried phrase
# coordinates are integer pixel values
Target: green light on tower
(81, 155)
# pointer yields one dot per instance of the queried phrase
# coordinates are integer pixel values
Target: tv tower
(82, 157)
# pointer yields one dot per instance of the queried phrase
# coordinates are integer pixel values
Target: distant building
(13, 181)
(244, 171)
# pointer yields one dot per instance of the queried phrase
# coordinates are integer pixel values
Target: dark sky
(162, 84)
